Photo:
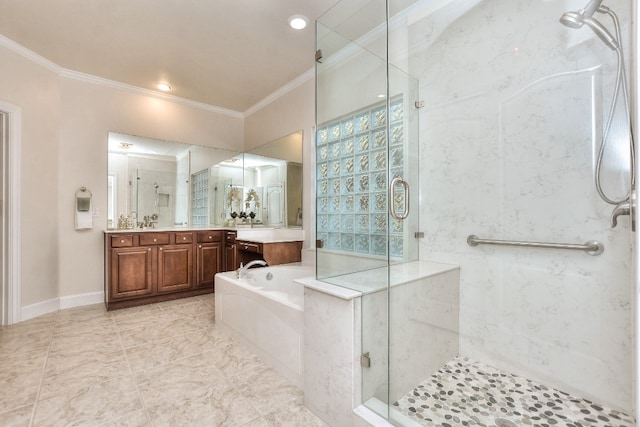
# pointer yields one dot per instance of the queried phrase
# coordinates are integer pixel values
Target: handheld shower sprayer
(585, 16)
(571, 19)
(591, 8)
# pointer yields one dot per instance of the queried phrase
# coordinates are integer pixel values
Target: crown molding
(29, 55)
(87, 78)
(298, 81)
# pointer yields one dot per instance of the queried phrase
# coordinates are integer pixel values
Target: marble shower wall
(514, 106)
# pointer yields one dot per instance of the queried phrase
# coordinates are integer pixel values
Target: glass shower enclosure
(458, 147)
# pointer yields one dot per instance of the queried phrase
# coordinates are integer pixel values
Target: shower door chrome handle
(392, 193)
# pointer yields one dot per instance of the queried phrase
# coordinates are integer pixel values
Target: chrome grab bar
(592, 247)
(392, 193)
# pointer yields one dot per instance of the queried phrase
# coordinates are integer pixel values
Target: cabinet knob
(160, 248)
(184, 238)
(246, 247)
(149, 249)
(210, 237)
(200, 246)
(122, 241)
(155, 240)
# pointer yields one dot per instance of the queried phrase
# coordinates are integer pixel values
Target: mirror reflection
(164, 184)
(273, 183)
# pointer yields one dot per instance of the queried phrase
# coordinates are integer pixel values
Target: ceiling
(227, 53)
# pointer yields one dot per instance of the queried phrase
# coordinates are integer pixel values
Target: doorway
(10, 118)
(3, 295)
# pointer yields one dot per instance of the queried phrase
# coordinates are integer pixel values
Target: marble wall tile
(509, 134)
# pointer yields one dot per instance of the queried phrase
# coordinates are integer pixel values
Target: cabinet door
(208, 263)
(131, 272)
(230, 257)
(175, 267)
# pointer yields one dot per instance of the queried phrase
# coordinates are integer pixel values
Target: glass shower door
(366, 178)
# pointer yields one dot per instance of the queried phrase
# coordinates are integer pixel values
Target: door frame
(10, 282)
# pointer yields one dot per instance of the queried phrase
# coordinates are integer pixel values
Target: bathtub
(265, 311)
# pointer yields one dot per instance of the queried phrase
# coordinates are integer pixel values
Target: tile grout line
(133, 377)
(44, 369)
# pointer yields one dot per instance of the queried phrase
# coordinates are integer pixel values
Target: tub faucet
(625, 207)
(243, 269)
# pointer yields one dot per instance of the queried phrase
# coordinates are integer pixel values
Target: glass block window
(199, 198)
(355, 155)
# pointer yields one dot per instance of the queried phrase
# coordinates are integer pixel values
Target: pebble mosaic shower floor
(467, 393)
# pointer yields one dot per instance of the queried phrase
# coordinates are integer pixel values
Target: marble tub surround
(153, 365)
(331, 356)
(265, 311)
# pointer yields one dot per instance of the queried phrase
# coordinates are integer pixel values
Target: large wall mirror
(273, 173)
(167, 184)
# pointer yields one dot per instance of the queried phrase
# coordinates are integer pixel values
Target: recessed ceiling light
(126, 145)
(163, 87)
(298, 22)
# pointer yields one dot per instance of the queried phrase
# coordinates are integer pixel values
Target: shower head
(576, 19)
(572, 20)
(585, 16)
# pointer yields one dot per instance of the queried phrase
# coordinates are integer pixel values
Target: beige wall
(89, 113)
(65, 126)
(36, 91)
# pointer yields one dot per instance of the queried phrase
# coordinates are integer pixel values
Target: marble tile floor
(164, 364)
(468, 393)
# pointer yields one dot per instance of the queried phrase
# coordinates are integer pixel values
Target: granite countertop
(257, 235)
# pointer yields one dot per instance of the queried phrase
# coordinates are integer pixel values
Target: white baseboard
(82, 299)
(39, 308)
(54, 304)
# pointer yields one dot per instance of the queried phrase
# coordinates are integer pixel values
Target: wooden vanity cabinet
(146, 267)
(273, 253)
(209, 258)
(175, 266)
(230, 259)
(131, 272)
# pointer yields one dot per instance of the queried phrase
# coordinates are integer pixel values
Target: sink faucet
(243, 269)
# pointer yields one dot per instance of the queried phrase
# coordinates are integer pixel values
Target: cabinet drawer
(231, 237)
(154, 239)
(184, 238)
(249, 246)
(121, 241)
(209, 236)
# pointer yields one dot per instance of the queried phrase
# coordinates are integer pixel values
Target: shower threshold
(468, 393)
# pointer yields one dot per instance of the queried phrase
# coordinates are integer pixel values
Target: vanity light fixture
(163, 87)
(298, 22)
